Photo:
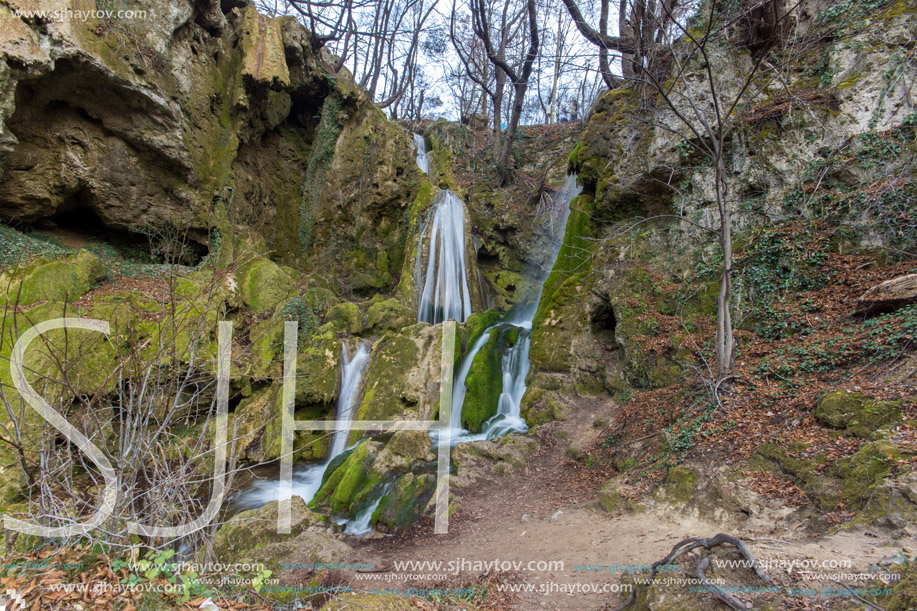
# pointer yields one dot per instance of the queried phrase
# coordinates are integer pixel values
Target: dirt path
(546, 515)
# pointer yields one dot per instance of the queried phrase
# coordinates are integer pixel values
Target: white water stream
(445, 293)
(515, 360)
(307, 480)
(423, 157)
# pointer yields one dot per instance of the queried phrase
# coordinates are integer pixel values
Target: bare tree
(703, 106)
(519, 79)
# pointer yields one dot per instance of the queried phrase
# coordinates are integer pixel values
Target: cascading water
(445, 288)
(423, 157)
(307, 480)
(514, 360)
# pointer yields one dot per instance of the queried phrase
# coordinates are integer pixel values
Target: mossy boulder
(251, 536)
(318, 368)
(856, 414)
(389, 315)
(610, 496)
(345, 317)
(542, 402)
(405, 503)
(681, 483)
(263, 285)
(483, 384)
(401, 381)
(503, 456)
(349, 488)
(404, 449)
(57, 280)
(560, 320)
(248, 530)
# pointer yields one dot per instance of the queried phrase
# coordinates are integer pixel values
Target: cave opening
(77, 225)
(604, 321)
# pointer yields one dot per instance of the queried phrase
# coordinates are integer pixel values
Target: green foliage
(877, 339)
(156, 565)
(329, 127)
(776, 264)
(303, 311)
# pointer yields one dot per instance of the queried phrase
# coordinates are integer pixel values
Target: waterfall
(307, 480)
(514, 361)
(362, 523)
(423, 157)
(445, 289)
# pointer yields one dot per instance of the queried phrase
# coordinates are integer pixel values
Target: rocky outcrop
(207, 118)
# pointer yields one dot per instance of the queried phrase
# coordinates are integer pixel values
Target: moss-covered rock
(405, 502)
(855, 414)
(248, 530)
(610, 497)
(681, 483)
(483, 384)
(345, 317)
(318, 368)
(503, 456)
(263, 285)
(389, 315)
(402, 378)
(348, 488)
(251, 536)
(376, 602)
(404, 449)
(57, 280)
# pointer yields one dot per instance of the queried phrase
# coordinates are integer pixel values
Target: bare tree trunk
(725, 342)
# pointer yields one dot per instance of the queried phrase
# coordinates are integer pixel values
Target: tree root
(691, 544)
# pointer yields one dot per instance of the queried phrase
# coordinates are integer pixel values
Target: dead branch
(693, 543)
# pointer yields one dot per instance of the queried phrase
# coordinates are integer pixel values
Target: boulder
(252, 536)
(263, 285)
(888, 296)
(854, 413)
(57, 280)
(345, 317)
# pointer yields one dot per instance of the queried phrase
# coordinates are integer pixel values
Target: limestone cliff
(199, 115)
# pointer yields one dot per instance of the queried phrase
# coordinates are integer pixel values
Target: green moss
(58, 280)
(574, 254)
(345, 317)
(559, 320)
(318, 369)
(376, 602)
(347, 488)
(848, 483)
(393, 357)
(236, 540)
(405, 503)
(856, 414)
(484, 384)
(904, 593)
(681, 482)
(315, 178)
(263, 285)
(389, 315)
(477, 323)
(610, 497)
